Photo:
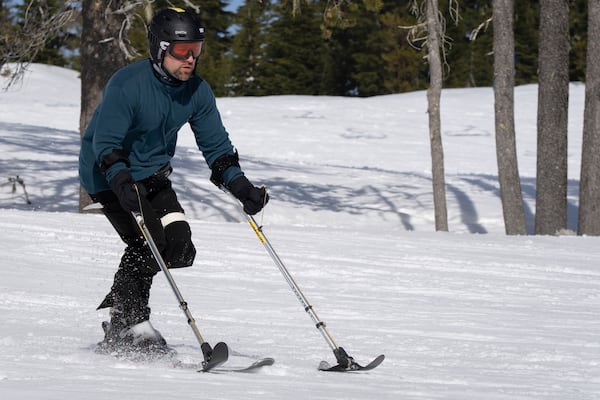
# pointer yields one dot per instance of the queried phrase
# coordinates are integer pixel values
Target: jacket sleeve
(115, 115)
(211, 136)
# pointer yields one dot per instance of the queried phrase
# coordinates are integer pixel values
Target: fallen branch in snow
(21, 182)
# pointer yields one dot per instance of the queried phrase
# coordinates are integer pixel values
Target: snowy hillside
(470, 314)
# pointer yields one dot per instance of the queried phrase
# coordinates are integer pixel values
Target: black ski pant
(164, 218)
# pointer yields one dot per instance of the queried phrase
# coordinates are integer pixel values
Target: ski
(351, 366)
(218, 369)
(135, 356)
(214, 358)
(263, 362)
(131, 353)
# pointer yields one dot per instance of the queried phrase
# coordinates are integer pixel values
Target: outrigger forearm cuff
(221, 164)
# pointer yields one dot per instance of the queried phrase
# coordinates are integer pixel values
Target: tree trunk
(553, 109)
(506, 149)
(434, 92)
(101, 56)
(589, 189)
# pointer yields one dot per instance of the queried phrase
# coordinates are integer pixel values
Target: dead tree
(430, 31)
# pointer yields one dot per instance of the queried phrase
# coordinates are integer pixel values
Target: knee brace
(179, 251)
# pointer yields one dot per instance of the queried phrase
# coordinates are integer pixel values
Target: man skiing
(124, 164)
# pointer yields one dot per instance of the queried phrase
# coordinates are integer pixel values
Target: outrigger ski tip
(347, 363)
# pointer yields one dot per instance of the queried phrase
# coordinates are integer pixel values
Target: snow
(469, 314)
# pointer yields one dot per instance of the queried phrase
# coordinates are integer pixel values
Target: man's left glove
(122, 186)
(252, 197)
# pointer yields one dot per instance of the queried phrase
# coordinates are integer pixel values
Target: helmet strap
(165, 76)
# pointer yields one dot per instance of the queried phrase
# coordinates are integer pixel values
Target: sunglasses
(183, 51)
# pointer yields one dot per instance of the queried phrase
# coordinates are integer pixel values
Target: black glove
(123, 186)
(252, 197)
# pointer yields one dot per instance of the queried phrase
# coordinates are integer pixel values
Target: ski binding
(215, 357)
(347, 363)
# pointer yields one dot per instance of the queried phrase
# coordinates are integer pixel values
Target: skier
(124, 164)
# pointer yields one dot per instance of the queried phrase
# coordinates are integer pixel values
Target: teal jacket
(141, 115)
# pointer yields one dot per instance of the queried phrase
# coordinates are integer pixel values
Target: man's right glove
(122, 185)
(252, 197)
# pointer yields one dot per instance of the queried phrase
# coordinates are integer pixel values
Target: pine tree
(470, 56)
(294, 51)
(526, 23)
(213, 64)
(367, 52)
(369, 64)
(341, 39)
(404, 67)
(578, 33)
(247, 48)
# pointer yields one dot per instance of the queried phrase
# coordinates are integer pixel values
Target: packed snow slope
(468, 315)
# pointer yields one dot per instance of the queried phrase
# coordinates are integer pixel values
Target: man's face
(180, 59)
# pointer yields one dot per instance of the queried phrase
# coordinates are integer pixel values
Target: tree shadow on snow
(47, 160)
(39, 156)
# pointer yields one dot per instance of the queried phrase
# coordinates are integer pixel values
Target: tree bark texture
(434, 37)
(553, 110)
(101, 57)
(589, 186)
(506, 149)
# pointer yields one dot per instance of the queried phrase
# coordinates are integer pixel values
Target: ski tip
(268, 361)
(379, 358)
(255, 366)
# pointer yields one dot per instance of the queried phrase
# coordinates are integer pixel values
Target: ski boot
(140, 341)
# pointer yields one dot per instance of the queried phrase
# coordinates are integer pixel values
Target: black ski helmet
(172, 25)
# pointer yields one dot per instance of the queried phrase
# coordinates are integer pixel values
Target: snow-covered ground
(470, 314)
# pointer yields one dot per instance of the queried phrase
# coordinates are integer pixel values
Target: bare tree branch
(39, 26)
(475, 32)
(417, 33)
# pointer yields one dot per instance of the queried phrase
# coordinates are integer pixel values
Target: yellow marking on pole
(257, 231)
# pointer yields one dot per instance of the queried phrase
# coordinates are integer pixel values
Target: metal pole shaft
(156, 253)
(288, 277)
